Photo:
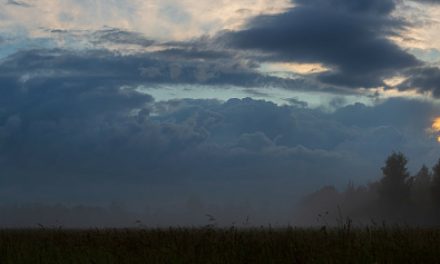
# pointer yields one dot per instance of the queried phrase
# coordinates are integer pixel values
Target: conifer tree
(394, 187)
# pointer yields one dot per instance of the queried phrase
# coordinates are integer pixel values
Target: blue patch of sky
(428, 55)
(279, 96)
(11, 45)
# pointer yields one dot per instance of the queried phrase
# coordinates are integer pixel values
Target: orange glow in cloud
(436, 127)
(436, 124)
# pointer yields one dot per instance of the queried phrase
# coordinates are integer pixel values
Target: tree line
(398, 197)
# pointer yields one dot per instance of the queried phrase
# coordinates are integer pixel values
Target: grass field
(208, 245)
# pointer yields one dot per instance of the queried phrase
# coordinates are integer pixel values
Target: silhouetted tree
(420, 187)
(435, 185)
(396, 198)
(394, 187)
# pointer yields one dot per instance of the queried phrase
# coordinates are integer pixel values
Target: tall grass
(209, 245)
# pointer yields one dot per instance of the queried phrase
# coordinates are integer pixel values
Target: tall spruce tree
(394, 187)
(420, 188)
(435, 185)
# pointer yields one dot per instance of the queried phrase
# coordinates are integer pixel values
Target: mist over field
(226, 113)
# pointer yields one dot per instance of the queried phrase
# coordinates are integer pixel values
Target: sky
(152, 104)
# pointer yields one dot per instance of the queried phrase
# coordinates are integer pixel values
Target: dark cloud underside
(424, 79)
(350, 37)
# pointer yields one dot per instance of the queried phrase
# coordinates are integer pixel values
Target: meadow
(378, 244)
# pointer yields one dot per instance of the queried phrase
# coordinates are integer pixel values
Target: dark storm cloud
(171, 67)
(72, 116)
(195, 53)
(358, 6)
(423, 79)
(58, 129)
(59, 134)
(348, 36)
(203, 60)
(206, 61)
(101, 67)
(394, 111)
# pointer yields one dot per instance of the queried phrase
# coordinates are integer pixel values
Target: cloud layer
(71, 137)
(78, 126)
(354, 41)
(350, 38)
